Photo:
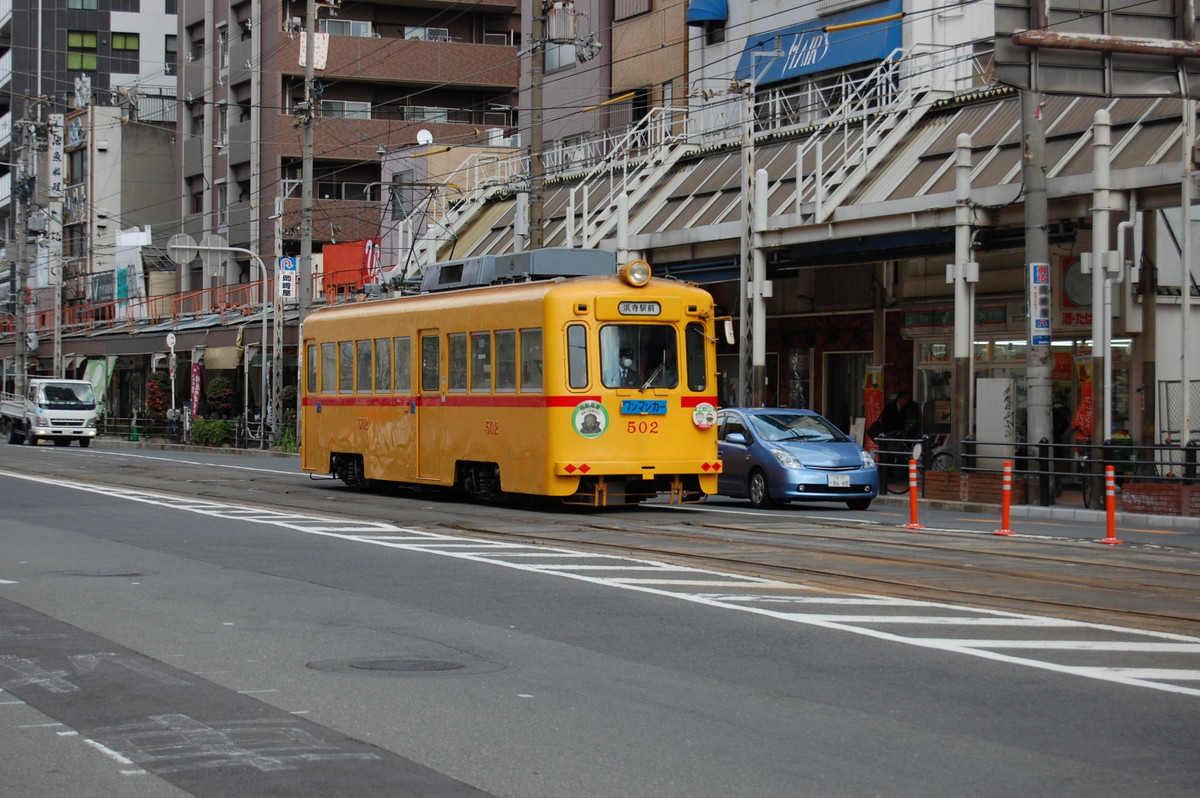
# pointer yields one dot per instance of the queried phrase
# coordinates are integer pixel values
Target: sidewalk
(1067, 508)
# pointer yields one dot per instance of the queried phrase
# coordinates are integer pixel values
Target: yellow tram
(598, 390)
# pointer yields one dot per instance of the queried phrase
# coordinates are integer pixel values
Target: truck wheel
(31, 439)
(85, 442)
(13, 435)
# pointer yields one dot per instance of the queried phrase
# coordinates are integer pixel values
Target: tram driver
(627, 373)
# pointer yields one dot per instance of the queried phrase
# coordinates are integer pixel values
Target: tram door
(430, 414)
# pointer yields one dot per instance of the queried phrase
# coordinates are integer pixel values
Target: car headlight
(867, 460)
(786, 459)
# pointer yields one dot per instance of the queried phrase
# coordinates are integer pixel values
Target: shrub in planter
(158, 395)
(220, 397)
(210, 432)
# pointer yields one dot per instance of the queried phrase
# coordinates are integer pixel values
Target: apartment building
(383, 72)
(58, 56)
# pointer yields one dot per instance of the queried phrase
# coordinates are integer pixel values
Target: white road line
(1153, 678)
(1077, 645)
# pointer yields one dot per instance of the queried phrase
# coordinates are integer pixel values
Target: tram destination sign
(628, 308)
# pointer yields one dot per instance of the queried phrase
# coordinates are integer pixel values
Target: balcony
(412, 62)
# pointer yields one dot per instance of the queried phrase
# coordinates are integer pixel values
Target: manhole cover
(101, 573)
(401, 666)
(405, 665)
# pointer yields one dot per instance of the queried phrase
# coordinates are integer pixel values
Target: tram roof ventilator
(517, 267)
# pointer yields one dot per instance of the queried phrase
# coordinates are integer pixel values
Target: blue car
(772, 455)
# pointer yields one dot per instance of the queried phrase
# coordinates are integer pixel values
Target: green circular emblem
(590, 419)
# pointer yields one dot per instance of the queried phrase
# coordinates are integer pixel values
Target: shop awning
(217, 358)
(702, 11)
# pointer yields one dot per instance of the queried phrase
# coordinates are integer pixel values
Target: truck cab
(57, 410)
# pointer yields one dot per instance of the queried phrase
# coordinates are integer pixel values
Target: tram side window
(481, 362)
(383, 365)
(345, 367)
(531, 361)
(310, 368)
(328, 368)
(577, 376)
(458, 361)
(401, 348)
(506, 360)
(695, 341)
(363, 359)
(430, 352)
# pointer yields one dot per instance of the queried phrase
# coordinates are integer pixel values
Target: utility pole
(537, 169)
(307, 118)
(1039, 368)
(24, 189)
(753, 286)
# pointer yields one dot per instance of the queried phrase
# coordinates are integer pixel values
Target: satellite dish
(424, 137)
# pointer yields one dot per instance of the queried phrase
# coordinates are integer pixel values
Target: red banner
(1083, 411)
(872, 401)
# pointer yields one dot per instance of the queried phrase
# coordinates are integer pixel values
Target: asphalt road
(180, 642)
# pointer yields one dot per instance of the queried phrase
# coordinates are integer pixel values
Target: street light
(183, 249)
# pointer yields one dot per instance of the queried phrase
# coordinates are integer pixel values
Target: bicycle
(941, 458)
(1089, 483)
(892, 462)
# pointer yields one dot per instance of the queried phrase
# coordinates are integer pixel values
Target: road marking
(739, 592)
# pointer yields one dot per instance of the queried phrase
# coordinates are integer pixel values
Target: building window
(81, 51)
(346, 109)
(81, 5)
(427, 34)
(125, 47)
(559, 56)
(125, 42)
(170, 54)
(222, 204)
(714, 31)
(222, 131)
(346, 27)
(223, 48)
(623, 9)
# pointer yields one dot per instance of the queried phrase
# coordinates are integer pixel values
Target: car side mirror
(736, 437)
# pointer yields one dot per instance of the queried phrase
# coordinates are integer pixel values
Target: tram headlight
(636, 273)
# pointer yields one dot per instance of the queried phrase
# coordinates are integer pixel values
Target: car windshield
(794, 427)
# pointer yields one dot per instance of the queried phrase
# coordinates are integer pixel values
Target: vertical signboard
(1040, 307)
(287, 269)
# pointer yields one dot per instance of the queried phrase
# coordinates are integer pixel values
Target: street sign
(182, 249)
(213, 253)
(288, 270)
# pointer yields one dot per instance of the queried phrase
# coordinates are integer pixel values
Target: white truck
(58, 410)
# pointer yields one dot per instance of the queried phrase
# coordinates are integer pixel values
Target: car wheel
(858, 504)
(757, 490)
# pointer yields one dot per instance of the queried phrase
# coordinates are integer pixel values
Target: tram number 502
(491, 427)
(642, 427)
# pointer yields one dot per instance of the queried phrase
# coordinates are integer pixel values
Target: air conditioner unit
(495, 136)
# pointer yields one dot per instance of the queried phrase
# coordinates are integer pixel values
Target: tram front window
(639, 356)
